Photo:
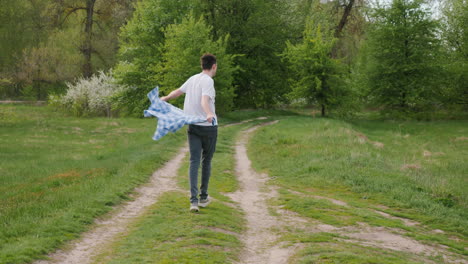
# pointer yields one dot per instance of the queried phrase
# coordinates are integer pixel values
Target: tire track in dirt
(363, 234)
(260, 240)
(90, 243)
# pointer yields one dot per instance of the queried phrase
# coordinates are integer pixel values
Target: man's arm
(206, 107)
(174, 94)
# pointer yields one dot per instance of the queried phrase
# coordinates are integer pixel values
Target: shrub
(93, 96)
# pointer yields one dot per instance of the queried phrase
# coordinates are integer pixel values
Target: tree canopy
(328, 54)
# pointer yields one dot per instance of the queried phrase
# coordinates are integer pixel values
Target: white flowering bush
(93, 96)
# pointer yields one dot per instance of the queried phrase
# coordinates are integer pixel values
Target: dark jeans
(202, 144)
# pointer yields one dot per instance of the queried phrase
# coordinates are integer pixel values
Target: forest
(341, 57)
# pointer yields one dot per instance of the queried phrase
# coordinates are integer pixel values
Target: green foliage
(314, 76)
(184, 44)
(43, 42)
(161, 45)
(402, 66)
(257, 32)
(455, 34)
(21, 26)
(141, 40)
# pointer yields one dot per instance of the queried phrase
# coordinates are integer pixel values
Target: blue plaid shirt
(170, 118)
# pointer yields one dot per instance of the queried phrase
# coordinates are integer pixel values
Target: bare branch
(71, 11)
(344, 18)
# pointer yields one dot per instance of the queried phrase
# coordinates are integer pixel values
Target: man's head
(208, 63)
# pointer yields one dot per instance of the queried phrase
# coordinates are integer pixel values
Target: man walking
(200, 101)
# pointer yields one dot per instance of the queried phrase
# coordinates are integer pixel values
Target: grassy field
(171, 234)
(415, 170)
(59, 172)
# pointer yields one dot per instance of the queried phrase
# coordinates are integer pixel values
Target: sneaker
(194, 208)
(204, 202)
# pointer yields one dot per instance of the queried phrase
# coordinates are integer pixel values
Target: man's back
(194, 88)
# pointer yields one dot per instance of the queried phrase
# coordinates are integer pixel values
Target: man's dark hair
(207, 61)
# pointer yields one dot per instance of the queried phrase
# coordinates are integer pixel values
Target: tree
(50, 63)
(100, 22)
(314, 75)
(141, 40)
(402, 65)
(258, 33)
(183, 47)
(22, 25)
(35, 33)
(455, 34)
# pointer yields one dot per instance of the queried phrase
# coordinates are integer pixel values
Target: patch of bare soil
(334, 201)
(406, 221)
(427, 153)
(90, 243)
(363, 139)
(260, 239)
(379, 237)
(383, 237)
(246, 121)
(23, 102)
(411, 166)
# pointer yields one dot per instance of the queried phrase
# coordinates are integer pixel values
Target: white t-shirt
(194, 88)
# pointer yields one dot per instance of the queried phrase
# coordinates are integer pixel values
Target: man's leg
(209, 147)
(195, 146)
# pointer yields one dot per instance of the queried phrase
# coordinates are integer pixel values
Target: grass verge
(414, 170)
(60, 172)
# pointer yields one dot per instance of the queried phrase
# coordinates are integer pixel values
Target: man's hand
(209, 118)
(164, 98)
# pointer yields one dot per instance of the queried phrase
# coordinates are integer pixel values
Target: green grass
(342, 160)
(330, 248)
(171, 234)
(346, 253)
(58, 173)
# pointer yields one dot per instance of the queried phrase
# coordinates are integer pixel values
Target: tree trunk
(344, 18)
(37, 86)
(341, 25)
(87, 45)
(403, 100)
(323, 110)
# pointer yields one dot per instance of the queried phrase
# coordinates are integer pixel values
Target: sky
(434, 5)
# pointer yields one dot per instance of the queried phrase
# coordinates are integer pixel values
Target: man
(200, 101)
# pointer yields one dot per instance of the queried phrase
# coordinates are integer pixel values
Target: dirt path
(105, 231)
(90, 243)
(260, 239)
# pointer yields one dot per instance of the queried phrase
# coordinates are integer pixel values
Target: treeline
(45, 43)
(339, 56)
